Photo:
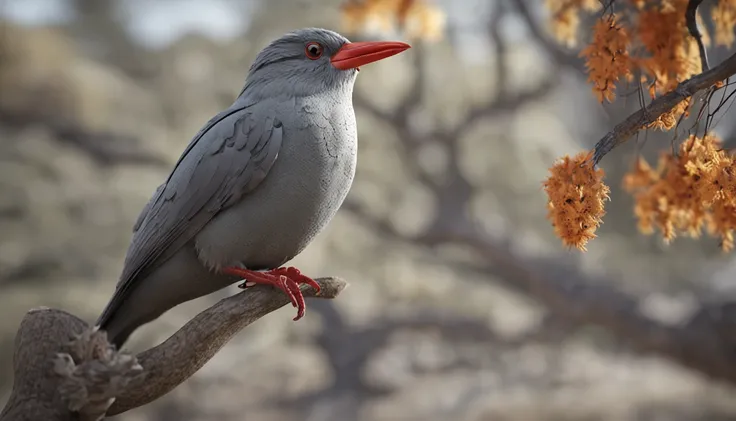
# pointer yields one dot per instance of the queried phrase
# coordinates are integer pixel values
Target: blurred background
(463, 305)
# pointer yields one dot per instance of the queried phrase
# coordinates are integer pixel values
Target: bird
(254, 186)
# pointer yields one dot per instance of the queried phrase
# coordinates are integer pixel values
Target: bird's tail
(116, 335)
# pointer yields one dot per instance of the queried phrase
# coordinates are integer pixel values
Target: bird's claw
(296, 275)
(287, 279)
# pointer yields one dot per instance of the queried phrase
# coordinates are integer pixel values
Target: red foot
(285, 279)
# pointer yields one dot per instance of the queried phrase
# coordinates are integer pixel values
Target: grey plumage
(252, 189)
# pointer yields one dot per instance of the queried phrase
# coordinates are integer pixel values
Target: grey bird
(254, 187)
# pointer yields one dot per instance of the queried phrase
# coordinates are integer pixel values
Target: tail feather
(106, 322)
(118, 338)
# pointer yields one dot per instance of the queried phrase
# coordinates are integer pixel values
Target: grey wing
(227, 159)
(144, 211)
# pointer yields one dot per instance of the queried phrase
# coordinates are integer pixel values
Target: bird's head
(312, 61)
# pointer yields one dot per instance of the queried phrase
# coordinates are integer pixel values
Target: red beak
(355, 54)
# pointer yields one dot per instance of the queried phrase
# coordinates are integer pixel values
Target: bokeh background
(463, 306)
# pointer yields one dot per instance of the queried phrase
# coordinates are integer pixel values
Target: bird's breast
(324, 149)
(325, 141)
(302, 192)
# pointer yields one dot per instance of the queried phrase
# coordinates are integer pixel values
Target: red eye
(313, 50)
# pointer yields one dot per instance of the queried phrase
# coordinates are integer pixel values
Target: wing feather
(227, 159)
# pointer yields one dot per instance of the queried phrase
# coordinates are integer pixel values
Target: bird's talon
(285, 279)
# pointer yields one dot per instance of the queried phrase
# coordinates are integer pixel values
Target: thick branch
(53, 375)
(636, 121)
(180, 356)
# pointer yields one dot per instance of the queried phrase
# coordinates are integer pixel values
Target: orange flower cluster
(417, 19)
(651, 38)
(672, 53)
(695, 189)
(687, 192)
(565, 18)
(607, 58)
(724, 18)
(576, 193)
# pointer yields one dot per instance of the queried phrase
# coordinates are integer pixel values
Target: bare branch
(409, 102)
(105, 148)
(109, 148)
(415, 97)
(636, 121)
(503, 104)
(87, 376)
(559, 55)
(692, 27)
(409, 141)
(360, 101)
(500, 48)
(376, 224)
(180, 356)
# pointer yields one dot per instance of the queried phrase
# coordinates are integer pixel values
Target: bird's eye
(313, 50)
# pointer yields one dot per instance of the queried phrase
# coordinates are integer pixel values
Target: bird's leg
(287, 279)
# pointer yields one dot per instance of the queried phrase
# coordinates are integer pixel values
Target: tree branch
(54, 376)
(506, 104)
(557, 53)
(105, 148)
(692, 27)
(636, 121)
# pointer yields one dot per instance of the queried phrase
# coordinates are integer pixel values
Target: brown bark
(66, 370)
(638, 120)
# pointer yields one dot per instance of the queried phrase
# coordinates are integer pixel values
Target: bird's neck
(257, 92)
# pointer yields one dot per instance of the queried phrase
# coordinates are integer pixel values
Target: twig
(692, 27)
(500, 48)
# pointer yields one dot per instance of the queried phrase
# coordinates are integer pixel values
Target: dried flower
(724, 19)
(576, 193)
(607, 57)
(686, 192)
